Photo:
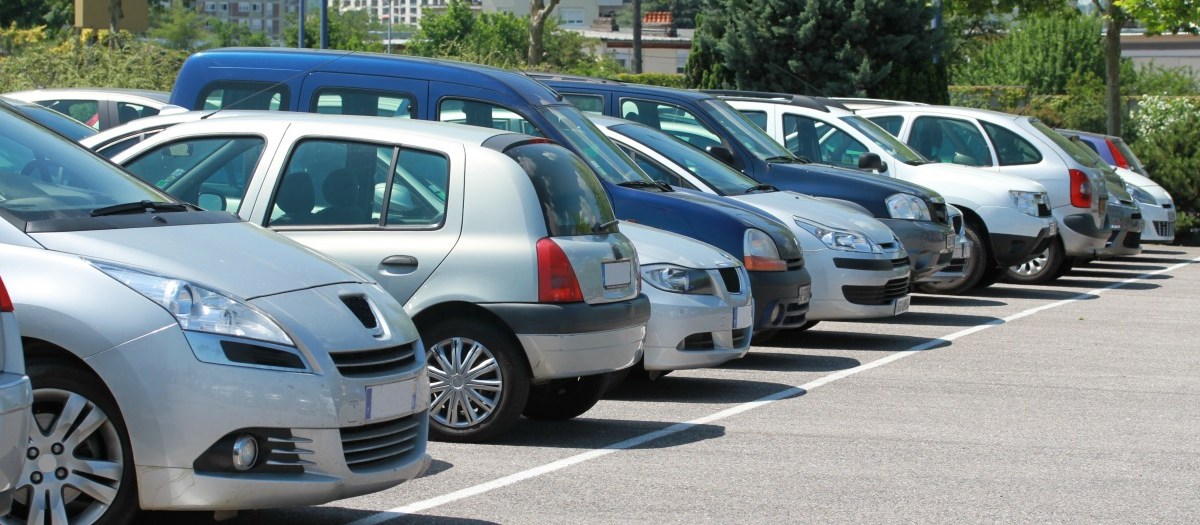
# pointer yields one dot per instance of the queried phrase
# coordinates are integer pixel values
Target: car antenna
(797, 77)
(281, 82)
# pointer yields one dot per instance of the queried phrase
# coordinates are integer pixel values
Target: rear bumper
(16, 396)
(929, 244)
(780, 299)
(1081, 236)
(1127, 225)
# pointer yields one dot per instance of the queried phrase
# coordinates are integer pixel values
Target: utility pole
(637, 36)
(324, 24)
(300, 40)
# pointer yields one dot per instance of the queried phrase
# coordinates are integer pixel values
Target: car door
(948, 139)
(393, 211)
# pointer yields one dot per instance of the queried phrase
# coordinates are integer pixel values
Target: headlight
(1141, 195)
(1027, 201)
(761, 253)
(677, 279)
(199, 309)
(849, 241)
(907, 206)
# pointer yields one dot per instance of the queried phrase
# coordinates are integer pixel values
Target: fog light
(245, 452)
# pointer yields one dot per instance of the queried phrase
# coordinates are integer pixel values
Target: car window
(589, 104)
(1011, 149)
(85, 111)
(716, 174)
(759, 118)
(950, 140)
(835, 146)
(891, 124)
(345, 101)
(657, 171)
(672, 119)
(111, 149)
(127, 111)
(886, 141)
(417, 195)
(211, 172)
(573, 201)
(342, 176)
(1067, 146)
(484, 114)
(244, 95)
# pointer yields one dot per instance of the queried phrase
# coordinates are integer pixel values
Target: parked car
(860, 269)
(55, 121)
(916, 214)
(16, 397)
(393, 199)
(401, 88)
(187, 360)
(1024, 147)
(1124, 214)
(1156, 204)
(1008, 218)
(100, 108)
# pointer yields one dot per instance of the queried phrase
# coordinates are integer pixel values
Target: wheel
(975, 270)
(478, 381)
(806, 326)
(990, 276)
(764, 336)
(563, 399)
(78, 468)
(1068, 264)
(1042, 269)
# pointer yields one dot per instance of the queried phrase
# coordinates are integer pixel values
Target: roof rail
(541, 75)
(804, 101)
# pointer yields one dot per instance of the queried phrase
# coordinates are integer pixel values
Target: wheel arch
(469, 311)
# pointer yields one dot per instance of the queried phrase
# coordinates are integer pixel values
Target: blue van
(916, 214)
(392, 86)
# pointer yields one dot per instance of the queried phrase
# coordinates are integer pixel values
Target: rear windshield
(1132, 159)
(45, 176)
(603, 157)
(573, 202)
(1076, 152)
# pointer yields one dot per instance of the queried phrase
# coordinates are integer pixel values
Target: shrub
(1168, 143)
(654, 79)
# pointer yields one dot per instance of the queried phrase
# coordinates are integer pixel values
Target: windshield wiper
(783, 159)
(765, 188)
(646, 184)
(604, 226)
(141, 207)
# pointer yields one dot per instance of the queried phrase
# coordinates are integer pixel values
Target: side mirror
(871, 161)
(721, 153)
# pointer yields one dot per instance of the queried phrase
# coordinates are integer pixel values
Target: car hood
(751, 217)
(655, 246)
(1145, 183)
(851, 177)
(784, 205)
(235, 257)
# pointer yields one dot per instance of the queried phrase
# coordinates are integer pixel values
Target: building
(1167, 51)
(259, 15)
(407, 12)
(572, 14)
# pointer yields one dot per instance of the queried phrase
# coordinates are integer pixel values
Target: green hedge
(654, 79)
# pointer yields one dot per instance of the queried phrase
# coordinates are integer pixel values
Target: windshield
(1132, 159)
(45, 176)
(721, 178)
(744, 131)
(1075, 151)
(581, 136)
(67, 126)
(885, 140)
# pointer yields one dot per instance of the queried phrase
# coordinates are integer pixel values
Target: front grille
(251, 354)
(1043, 209)
(741, 337)
(876, 295)
(1164, 228)
(1133, 239)
(899, 262)
(382, 444)
(369, 363)
(794, 314)
(795, 264)
(1168, 206)
(361, 309)
(695, 342)
(887, 246)
(733, 284)
(937, 212)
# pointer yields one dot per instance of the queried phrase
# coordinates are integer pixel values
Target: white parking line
(419, 506)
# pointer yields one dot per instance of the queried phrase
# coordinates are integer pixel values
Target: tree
(232, 33)
(1039, 53)
(539, 11)
(180, 28)
(348, 30)
(497, 39)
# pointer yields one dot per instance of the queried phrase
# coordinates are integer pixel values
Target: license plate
(392, 399)
(902, 304)
(742, 316)
(617, 273)
(804, 295)
(950, 241)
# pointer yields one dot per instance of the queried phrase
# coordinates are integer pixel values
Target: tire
(478, 380)
(806, 326)
(990, 276)
(1042, 269)
(563, 399)
(977, 267)
(72, 401)
(764, 336)
(1068, 265)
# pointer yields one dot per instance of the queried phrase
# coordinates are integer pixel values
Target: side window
(328, 182)
(679, 122)
(800, 137)
(889, 124)
(837, 147)
(659, 172)
(484, 114)
(1011, 149)
(417, 194)
(950, 140)
(111, 149)
(759, 118)
(590, 104)
(343, 101)
(85, 111)
(212, 172)
(244, 95)
(127, 111)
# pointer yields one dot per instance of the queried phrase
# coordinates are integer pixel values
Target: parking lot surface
(1076, 402)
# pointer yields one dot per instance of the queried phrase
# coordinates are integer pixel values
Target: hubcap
(75, 462)
(464, 382)
(1034, 267)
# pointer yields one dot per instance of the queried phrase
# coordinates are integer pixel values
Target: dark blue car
(916, 214)
(408, 87)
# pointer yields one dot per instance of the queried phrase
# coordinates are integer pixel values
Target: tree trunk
(1112, 68)
(539, 11)
(637, 36)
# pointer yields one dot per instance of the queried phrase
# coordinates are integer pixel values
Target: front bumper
(1159, 224)
(696, 331)
(929, 244)
(959, 259)
(781, 299)
(1127, 225)
(577, 339)
(16, 396)
(1016, 237)
(856, 285)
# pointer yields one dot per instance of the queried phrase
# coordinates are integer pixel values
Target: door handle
(400, 260)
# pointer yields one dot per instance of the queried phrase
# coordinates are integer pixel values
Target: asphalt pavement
(1076, 402)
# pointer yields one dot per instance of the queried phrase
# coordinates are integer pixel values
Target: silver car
(16, 397)
(503, 248)
(184, 359)
(101, 108)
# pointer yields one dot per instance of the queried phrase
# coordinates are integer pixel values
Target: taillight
(556, 277)
(1081, 189)
(1116, 153)
(5, 301)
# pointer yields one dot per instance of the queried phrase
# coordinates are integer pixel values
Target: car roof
(98, 93)
(985, 114)
(621, 86)
(804, 101)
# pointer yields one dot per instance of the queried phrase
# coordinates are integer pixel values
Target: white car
(16, 396)
(1024, 147)
(503, 248)
(101, 108)
(701, 310)
(860, 270)
(1008, 218)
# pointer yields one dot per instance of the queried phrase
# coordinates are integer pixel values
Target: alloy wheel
(1033, 267)
(465, 382)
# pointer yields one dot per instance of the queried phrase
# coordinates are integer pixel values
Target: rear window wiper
(646, 184)
(141, 207)
(764, 188)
